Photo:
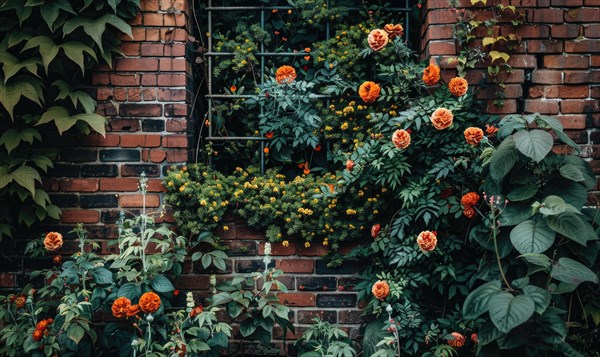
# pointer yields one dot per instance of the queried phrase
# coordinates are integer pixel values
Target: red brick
(156, 185)
(132, 141)
(103, 93)
(583, 46)
(582, 15)
(510, 106)
(579, 106)
(153, 19)
(177, 155)
(101, 79)
(171, 80)
(278, 249)
(99, 140)
(119, 184)
(129, 125)
(527, 31)
(174, 19)
(591, 2)
(171, 95)
(523, 61)
(544, 46)
(150, 5)
(178, 110)
(119, 79)
(193, 282)
(297, 299)
(152, 49)
(516, 76)
(595, 60)
(140, 110)
(137, 64)
(573, 91)
(7, 280)
(544, 76)
(566, 61)
(546, 16)
(80, 216)
(542, 106)
(157, 155)
(177, 4)
(296, 265)
(120, 94)
(79, 185)
(175, 49)
(172, 64)
(537, 92)
(149, 94)
(350, 316)
(571, 3)
(592, 31)
(130, 48)
(138, 34)
(441, 48)
(573, 121)
(566, 31)
(137, 201)
(576, 77)
(152, 34)
(175, 141)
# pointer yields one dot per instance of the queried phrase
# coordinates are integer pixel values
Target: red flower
(375, 230)
(269, 135)
(457, 340)
(349, 165)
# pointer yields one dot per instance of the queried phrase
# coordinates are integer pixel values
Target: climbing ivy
(48, 49)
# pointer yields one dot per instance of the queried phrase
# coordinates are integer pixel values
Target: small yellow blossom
(225, 228)
(307, 245)
(344, 126)
(285, 243)
(350, 211)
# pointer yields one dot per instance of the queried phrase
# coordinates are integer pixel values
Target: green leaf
(535, 144)
(26, 176)
(552, 205)
(5, 177)
(571, 172)
(478, 300)
(247, 327)
(10, 94)
(541, 297)
(523, 192)
(95, 121)
(495, 55)
(515, 213)
(46, 47)
(532, 237)
(102, 276)
(557, 127)
(503, 159)
(162, 284)
(75, 333)
(75, 50)
(572, 226)
(570, 191)
(95, 28)
(508, 311)
(541, 260)
(130, 291)
(51, 9)
(11, 139)
(572, 272)
(11, 65)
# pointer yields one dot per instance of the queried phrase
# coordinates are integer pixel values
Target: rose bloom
(37, 335)
(56, 259)
(393, 30)
(378, 39)
(469, 212)
(41, 325)
(375, 230)
(380, 290)
(442, 118)
(490, 130)
(149, 302)
(120, 306)
(431, 74)
(458, 86)
(349, 165)
(473, 135)
(196, 311)
(470, 199)
(458, 340)
(20, 301)
(53, 241)
(427, 241)
(369, 91)
(474, 338)
(133, 310)
(285, 74)
(401, 139)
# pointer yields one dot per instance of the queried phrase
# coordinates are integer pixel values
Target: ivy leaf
(508, 311)
(535, 144)
(572, 226)
(75, 51)
(503, 159)
(557, 127)
(95, 121)
(5, 177)
(10, 94)
(95, 28)
(488, 41)
(572, 272)
(11, 65)
(478, 300)
(23, 12)
(26, 176)
(51, 9)
(531, 237)
(11, 139)
(46, 47)
(495, 55)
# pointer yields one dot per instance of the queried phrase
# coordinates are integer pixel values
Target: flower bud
(149, 318)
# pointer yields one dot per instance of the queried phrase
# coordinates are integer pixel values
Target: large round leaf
(535, 144)
(504, 159)
(508, 311)
(541, 297)
(572, 226)
(532, 237)
(572, 272)
(478, 300)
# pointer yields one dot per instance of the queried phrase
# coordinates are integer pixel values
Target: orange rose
(474, 338)
(37, 335)
(380, 290)
(393, 30)
(196, 311)
(457, 341)
(442, 118)
(369, 91)
(20, 301)
(56, 259)
(458, 86)
(349, 165)
(469, 212)
(401, 139)
(233, 89)
(149, 302)
(473, 135)
(285, 74)
(470, 199)
(490, 130)
(375, 230)
(427, 241)
(378, 39)
(53, 241)
(431, 74)
(41, 325)
(133, 310)
(120, 306)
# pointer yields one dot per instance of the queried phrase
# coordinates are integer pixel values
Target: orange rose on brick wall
(53, 241)
(401, 139)
(380, 290)
(20, 301)
(149, 302)
(133, 310)
(378, 39)
(442, 118)
(431, 75)
(120, 306)
(393, 30)
(369, 91)
(427, 241)
(285, 74)
(457, 340)
(490, 130)
(458, 86)
(473, 135)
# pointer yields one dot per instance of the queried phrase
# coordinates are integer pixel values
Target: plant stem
(494, 234)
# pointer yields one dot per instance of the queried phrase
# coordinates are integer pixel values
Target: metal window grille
(404, 6)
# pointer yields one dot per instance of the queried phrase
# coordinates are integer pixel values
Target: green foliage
(47, 51)
(322, 339)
